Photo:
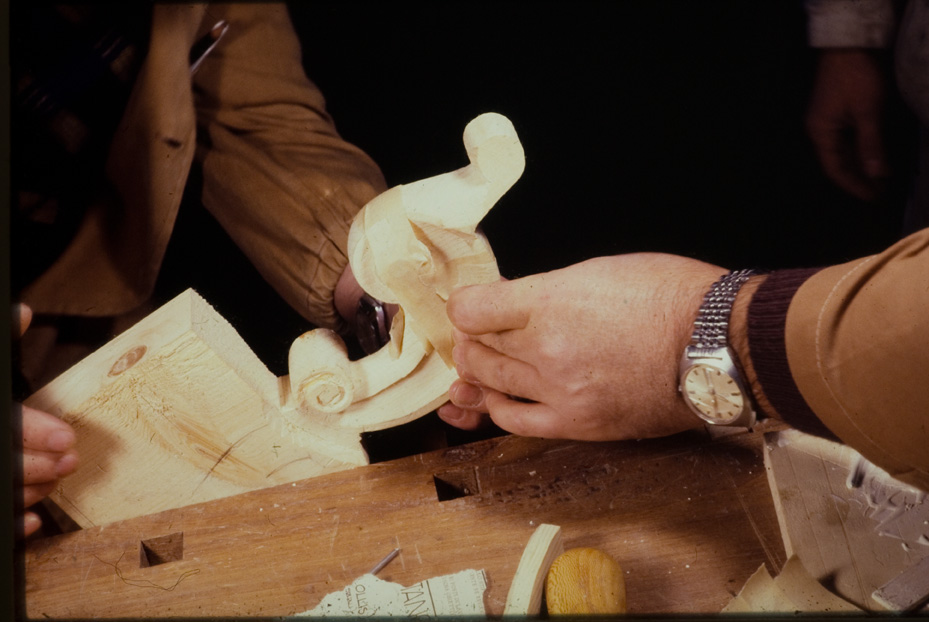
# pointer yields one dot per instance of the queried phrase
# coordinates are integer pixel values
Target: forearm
(841, 352)
(759, 316)
(277, 175)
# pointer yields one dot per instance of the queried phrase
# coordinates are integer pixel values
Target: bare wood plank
(175, 411)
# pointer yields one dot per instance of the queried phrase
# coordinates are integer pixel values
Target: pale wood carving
(525, 595)
(178, 410)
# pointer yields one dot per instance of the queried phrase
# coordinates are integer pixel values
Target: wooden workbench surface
(688, 518)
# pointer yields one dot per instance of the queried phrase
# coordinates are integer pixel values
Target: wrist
(346, 295)
(738, 340)
(710, 378)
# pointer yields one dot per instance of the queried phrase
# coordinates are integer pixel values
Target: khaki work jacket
(277, 176)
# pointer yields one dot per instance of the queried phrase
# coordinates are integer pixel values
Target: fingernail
(67, 464)
(467, 396)
(451, 414)
(31, 523)
(458, 357)
(60, 440)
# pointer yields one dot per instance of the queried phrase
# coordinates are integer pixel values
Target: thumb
(42, 431)
(488, 308)
(524, 418)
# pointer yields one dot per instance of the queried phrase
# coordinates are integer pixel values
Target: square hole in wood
(161, 550)
(456, 483)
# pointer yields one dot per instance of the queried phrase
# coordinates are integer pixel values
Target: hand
(346, 297)
(589, 352)
(844, 121)
(46, 449)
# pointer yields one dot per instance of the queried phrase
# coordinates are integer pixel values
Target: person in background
(611, 348)
(114, 105)
(865, 48)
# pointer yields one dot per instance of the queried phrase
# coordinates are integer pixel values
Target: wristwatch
(709, 379)
(372, 325)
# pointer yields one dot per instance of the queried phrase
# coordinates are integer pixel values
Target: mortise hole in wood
(161, 550)
(456, 484)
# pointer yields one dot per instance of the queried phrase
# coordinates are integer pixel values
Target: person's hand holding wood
(588, 352)
(45, 449)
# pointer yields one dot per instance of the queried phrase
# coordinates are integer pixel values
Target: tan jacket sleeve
(277, 175)
(857, 342)
(113, 260)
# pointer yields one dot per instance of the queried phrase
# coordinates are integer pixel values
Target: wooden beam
(686, 542)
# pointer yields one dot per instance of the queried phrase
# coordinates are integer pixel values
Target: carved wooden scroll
(178, 410)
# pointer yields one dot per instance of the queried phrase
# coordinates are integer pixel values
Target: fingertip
(459, 417)
(31, 523)
(457, 307)
(523, 418)
(466, 395)
(458, 336)
(61, 440)
(460, 355)
(34, 493)
(45, 432)
(67, 464)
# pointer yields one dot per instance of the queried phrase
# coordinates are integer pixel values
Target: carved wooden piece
(525, 595)
(178, 410)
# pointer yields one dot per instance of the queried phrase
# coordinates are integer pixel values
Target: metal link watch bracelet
(710, 382)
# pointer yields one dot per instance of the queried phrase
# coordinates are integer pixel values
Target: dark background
(648, 125)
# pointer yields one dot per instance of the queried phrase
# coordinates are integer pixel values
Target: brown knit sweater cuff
(767, 322)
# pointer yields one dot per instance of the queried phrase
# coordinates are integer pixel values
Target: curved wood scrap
(525, 595)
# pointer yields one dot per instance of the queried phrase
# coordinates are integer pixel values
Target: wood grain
(528, 584)
(689, 519)
(182, 396)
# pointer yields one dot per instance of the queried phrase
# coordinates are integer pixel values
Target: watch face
(713, 394)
